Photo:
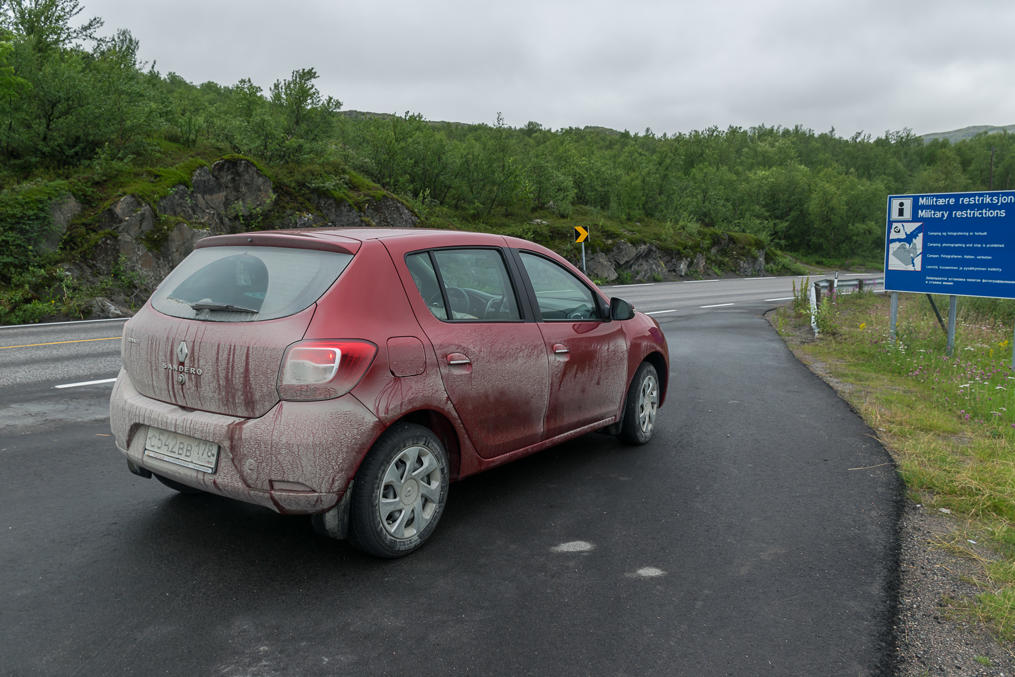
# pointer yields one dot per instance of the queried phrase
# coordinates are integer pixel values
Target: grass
(949, 421)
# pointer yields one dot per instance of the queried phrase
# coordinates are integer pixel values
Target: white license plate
(182, 450)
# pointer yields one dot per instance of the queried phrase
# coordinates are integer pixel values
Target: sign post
(581, 233)
(893, 318)
(959, 244)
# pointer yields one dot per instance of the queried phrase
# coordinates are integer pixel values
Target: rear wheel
(176, 486)
(641, 406)
(400, 492)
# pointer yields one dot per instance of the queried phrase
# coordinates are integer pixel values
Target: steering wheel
(579, 313)
(494, 305)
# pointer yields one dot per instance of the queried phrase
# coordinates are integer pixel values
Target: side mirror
(620, 309)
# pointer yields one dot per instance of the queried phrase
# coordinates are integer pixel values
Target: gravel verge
(931, 636)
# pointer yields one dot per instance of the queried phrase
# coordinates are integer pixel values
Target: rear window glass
(247, 284)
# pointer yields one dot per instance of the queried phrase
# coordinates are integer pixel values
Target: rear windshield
(247, 284)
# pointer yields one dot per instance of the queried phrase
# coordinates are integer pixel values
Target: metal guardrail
(836, 286)
(833, 286)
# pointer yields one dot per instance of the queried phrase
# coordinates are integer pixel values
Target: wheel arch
(657, 360)
(445, 431)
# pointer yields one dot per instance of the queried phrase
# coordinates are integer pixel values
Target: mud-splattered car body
(268, 365)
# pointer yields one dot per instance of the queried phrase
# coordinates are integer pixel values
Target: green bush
(24, 221)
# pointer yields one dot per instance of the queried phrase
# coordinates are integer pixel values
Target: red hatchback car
(351, 374)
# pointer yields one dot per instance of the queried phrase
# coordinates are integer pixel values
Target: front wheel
(641, 406)
(400, 492)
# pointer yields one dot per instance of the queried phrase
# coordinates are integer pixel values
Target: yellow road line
(56, 343)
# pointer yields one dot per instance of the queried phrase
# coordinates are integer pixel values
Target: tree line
(73, 101)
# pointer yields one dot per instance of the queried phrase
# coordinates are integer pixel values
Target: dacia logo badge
(182, 352)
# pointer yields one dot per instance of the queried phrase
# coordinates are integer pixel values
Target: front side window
(476, 285)
(559, 294)
(247, 284)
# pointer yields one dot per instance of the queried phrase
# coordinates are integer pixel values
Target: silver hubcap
(410, 492)
(648, 402)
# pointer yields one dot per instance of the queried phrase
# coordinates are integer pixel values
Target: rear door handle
(455, 359)
(560, 349)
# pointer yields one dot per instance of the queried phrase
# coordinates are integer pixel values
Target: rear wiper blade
(208, 305)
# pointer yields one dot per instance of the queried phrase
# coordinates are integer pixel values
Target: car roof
(350, 239)
(362, 234)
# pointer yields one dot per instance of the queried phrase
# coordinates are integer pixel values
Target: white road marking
(57, 324)
(756, 278)
(784, 298)
(717, 305)
(647, 572)
(573, 546)
(625, 286)
(659, 312)
(86, 383)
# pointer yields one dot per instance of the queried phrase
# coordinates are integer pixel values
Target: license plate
(189, 452)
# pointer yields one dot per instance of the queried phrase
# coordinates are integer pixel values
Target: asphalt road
(754, 535)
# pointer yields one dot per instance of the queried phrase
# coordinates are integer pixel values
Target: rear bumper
(296, 459)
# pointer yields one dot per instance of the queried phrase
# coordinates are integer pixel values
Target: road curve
(754, 535)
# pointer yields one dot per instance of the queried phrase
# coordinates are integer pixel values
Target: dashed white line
(86, 383)
(659, 312)
(784, 298)
(717, 305)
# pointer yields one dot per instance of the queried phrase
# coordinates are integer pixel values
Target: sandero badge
(181, 369)
(347, 374)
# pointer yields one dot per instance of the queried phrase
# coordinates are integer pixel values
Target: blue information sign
(951, 243)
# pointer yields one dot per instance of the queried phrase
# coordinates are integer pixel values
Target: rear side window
(423, 275)
(465, 284)
(477, 284)
(247, 284)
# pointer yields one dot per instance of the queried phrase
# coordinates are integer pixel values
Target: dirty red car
(351, 374)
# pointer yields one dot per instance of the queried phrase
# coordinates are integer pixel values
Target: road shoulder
(930, 637)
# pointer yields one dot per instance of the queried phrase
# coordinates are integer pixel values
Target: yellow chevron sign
(580, 234)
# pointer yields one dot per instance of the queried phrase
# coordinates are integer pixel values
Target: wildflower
(863, 325)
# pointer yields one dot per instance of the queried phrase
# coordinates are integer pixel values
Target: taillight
(321, 370)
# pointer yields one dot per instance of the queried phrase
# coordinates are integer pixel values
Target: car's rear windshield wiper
(208, 305)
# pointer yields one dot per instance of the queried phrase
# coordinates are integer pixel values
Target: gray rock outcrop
(648, 263)
(61, 212)
(147, 241)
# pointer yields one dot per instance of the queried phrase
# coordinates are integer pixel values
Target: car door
(587, 353)
(492, 359)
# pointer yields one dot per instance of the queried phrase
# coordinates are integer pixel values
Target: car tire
(176, 486)
(641, 406)
(399, 493)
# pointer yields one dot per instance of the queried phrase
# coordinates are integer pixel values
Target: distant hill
(966, 133)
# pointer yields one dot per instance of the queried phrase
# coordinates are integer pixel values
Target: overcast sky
(672, 66)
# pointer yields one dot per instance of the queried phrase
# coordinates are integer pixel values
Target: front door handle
(560, 349)
(457, 359)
